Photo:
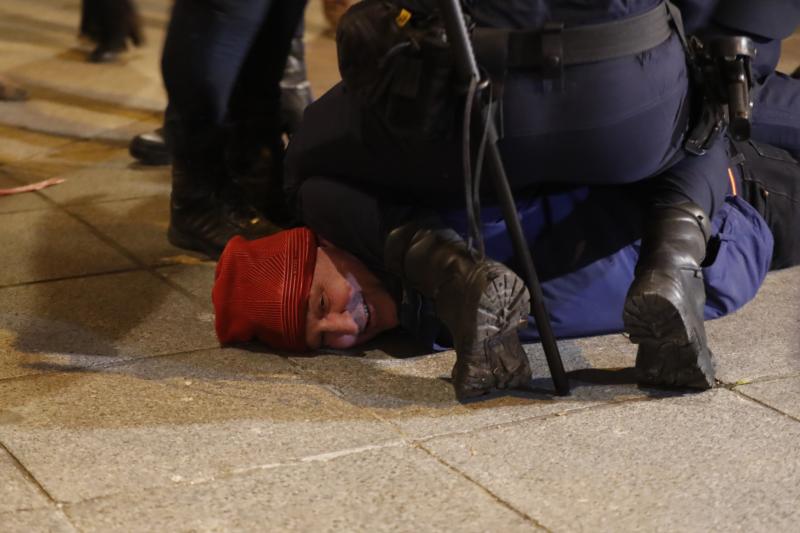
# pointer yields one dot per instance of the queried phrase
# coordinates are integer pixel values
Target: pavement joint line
(522, 514)
(151, 269)
(112, 200)
(28, 475)
(74, 277)
(103, 366)
(764, 404)
(68, 139)
(26, 210)
(58, 508)
(154, 270)
(760, 379)
(113, 244)
(540, 417)
(179, 481)
(91, 100)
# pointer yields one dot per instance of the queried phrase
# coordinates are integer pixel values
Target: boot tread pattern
(669, 353)
(502, 362)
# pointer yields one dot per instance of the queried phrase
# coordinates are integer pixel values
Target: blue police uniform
(618, 120)
(609, 122)
(585, 242)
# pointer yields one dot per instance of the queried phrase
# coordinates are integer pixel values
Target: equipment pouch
(399, 66)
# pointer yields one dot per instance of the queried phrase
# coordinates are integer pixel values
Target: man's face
(347, 305)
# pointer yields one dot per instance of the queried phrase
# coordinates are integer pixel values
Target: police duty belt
(555, 46)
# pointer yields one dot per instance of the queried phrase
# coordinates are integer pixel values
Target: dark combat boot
(255, 163)
(664, 306)
(482, 303)
(150, 148)
(206, 211)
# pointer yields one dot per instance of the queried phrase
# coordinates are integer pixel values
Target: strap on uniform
(554, 46)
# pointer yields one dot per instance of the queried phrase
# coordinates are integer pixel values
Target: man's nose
(342, 323)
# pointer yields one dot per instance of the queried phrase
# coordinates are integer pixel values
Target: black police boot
(150, 148)
(206, 211)
(295, 88)
(664, 307)
(255, 163)
(482, 303)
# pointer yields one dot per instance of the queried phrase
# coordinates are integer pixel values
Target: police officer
(222, 65)
(614, 120)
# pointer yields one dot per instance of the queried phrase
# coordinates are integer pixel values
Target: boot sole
(503, 309)
(149, 156)
(670, 352)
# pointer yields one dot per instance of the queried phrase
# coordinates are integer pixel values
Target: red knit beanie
(261, 289)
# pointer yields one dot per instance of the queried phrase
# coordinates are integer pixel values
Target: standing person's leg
(110, 23)
(254, 112)
(150, 148)
(205, 48)
(89, 27)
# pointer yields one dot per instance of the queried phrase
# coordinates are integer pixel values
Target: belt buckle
(552, 50)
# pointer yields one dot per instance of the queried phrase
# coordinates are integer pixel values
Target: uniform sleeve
(350, 217)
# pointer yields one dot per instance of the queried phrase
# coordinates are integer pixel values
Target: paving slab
(139, 226)
(16, 491)
(27, 521)
(82, 153)
(28, 201)
(39, 23)
(83, 322)
(131, 427)
(221, 371)
(60, 118)
(20, 144)
(763, 338)
(782, 394)
(49, 244)
(389, 489)
(133, 81)
(195, 274)
(415, 393)
(20, 47)
(120, 179)
(712, 461)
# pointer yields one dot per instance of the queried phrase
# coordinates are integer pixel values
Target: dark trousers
(222, 63)
(110, 22)
(615, 122)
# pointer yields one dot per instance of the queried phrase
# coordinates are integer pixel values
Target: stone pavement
(119, 411)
